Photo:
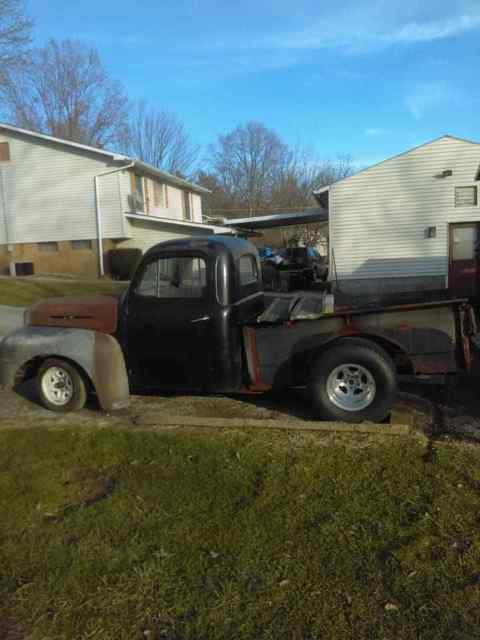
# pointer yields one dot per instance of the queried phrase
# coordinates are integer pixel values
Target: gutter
(215, 229)
(98, 213)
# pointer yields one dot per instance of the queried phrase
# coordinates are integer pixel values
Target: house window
(82, 245)
(48, 247)
(187, 210)
(464, 240)
(139, 185)
(136, 200)
(466, 196)
(160, 195)
(4, 152)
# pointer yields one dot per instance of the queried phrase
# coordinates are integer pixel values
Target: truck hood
(98, 313)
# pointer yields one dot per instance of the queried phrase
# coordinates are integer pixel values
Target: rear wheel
(60, 387)
(353, 381)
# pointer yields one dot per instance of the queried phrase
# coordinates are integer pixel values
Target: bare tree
(247, 163)
(253, 170)
(15, 30)
(159, 138)
(218, 203)
(65, 92)
(321, 175)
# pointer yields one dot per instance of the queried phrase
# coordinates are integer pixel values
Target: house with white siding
(409, 223)
(64, 205)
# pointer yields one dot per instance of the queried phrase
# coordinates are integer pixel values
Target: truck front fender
(97, 355)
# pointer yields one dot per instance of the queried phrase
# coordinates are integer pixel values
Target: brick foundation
(65, 260)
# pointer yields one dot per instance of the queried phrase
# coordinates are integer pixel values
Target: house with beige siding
(409, 223)
(64, 205)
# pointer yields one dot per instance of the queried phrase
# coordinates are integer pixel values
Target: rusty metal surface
(424, 335)
(97, 313)
(341, 311)
(98, 355)
(256, 384)
(434, 364)
(109, 374)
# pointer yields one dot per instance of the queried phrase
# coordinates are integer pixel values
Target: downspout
(98, 213)
(4, 206)
(10, 255)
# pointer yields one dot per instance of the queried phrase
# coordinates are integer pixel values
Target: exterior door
(169, 325)
(464, 260)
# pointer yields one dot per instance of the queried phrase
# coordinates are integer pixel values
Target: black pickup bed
(426, 338)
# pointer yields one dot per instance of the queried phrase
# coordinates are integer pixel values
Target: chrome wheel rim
(351, 387)
(57, 386)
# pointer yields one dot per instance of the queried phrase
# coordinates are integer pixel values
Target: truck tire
(60, 386)
(353, 381)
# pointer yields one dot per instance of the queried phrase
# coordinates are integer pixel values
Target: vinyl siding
(174, 210)
(144, 234)
(378, 216)
(48, 193)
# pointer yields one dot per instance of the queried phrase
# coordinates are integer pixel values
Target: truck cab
(181, 317)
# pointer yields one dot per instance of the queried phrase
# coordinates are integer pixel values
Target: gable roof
(115, 157)
(318, 192)
(67, 143)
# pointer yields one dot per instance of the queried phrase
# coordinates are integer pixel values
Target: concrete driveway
(11, 318)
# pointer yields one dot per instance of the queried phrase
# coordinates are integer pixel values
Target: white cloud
(430, 96)
(356, 27)
(435, 30)
(351, 27)
(360, 33)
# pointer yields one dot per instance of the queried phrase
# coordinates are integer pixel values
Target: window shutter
(4, 152)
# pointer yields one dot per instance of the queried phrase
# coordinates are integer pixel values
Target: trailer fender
(97, 355)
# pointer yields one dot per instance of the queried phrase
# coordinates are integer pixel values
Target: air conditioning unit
(136, 202)
(21, 269)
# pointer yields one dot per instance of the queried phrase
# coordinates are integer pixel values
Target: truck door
(168, 324)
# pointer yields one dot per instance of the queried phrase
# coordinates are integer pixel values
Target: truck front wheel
(60, 387)
(353, 381)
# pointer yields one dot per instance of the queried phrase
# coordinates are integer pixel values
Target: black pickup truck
(195, 318)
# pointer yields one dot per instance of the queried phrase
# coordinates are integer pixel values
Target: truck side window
(248, 269)
(148, 285)
(176, 277)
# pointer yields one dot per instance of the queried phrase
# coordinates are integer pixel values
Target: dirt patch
(248, 407)
(83, 487)
(10, 629)
(86, 487)
(20, 409)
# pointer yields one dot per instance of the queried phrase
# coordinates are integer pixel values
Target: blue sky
(369, 79)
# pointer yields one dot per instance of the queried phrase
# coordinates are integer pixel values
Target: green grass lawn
(23, 292)
(122, 535)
